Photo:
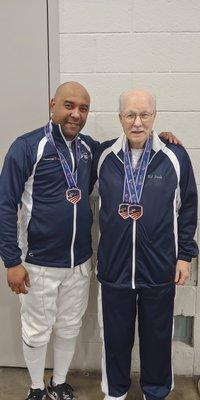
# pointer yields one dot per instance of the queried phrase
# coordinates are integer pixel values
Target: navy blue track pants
(155, 323)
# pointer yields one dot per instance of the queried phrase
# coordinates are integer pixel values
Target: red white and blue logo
(135, 211)
(73, 195)
(123, 210)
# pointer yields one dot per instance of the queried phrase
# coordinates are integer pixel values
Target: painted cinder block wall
(110, 46)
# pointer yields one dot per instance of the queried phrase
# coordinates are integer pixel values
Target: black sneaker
(60, 392)
(37, 394)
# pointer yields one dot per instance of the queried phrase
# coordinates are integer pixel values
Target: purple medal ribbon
(73, 193)
(134, 182)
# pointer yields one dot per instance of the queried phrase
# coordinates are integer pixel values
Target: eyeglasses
(131, 116)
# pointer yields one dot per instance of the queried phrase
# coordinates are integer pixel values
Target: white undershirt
(136, 154)
(69, 145)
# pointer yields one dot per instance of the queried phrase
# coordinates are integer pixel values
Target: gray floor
(14, 384)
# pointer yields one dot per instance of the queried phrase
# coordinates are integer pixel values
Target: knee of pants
(67, 332)
(37, 337)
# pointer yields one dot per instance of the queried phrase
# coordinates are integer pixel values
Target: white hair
(131, 92)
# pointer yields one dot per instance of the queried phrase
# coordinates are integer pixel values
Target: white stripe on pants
(104, 382)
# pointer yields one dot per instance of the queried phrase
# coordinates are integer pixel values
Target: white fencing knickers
(57, 299)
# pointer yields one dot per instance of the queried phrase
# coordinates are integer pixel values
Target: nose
(75, 113)
(137, 121)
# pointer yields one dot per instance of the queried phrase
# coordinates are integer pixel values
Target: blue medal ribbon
(134, 178)
(71, 178)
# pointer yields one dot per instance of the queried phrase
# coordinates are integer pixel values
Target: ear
(52, 104)
(120, 117)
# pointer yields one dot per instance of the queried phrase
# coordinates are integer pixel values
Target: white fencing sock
(63, 351)
(35, 361)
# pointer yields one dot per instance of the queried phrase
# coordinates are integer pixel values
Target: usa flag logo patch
(135, 211)
(73, 195)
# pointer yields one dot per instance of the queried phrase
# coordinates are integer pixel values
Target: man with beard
(47, 172)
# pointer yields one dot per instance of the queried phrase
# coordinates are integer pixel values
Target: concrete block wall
(112, 45)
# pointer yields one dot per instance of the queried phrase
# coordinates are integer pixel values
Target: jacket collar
(120, 143)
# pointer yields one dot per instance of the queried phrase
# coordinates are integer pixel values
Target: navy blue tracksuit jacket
(144, 253)
(52, 231)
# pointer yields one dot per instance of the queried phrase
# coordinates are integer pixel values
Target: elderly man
(148, 216)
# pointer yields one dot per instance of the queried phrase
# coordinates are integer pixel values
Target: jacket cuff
(12, 263)
(184, 257)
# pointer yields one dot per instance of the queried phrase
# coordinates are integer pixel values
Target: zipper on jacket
(68, 144)
(133, 254)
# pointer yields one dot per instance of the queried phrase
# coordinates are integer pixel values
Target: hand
(182, 272)
(18, 279)
(170, 137)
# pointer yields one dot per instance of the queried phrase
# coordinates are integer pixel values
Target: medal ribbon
(134, 179)
(71, 178)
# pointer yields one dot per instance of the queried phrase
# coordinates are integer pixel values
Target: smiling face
(142, 104)
(70, 107)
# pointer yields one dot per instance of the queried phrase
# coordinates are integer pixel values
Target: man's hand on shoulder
(182, 272)
(170, 137)
(18, 279)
